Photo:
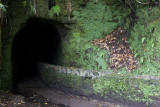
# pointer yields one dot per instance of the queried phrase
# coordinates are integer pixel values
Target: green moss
(67, 80)
(112, 83)
(6, 71)
(127, 88)
(117, 86)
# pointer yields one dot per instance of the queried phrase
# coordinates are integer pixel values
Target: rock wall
(18, 12)
(100, 84)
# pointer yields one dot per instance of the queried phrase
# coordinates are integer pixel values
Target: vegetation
(112, 85)
(145, 40)
(2, 9)
(97, 19)
(92, 22)
(131, 89)
(55, 10)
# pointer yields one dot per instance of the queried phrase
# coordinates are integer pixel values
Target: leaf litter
(120, 54)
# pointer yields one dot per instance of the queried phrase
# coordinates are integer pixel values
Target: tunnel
(38, 40)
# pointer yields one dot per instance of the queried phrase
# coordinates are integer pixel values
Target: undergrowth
(92, 22)
(55, 10)
(130, 89)
(96, 19)
(79, 53)
(145, 41)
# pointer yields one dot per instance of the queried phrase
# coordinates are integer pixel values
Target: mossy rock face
(144, 89)
(18, 11)
(6, 74)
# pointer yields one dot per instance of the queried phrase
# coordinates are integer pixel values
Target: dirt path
(37, 88)
(36, 92)
(71, 100)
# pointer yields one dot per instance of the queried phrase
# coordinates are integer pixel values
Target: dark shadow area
(37, 41)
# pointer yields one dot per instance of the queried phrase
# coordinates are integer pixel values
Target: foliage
(24, 3)
(2, 7)
(97, 19)
(78, 52)
(54, 10)
(145, 40)
(131, 89)
(92, 22)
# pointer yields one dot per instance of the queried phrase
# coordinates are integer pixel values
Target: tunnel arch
(38, 40)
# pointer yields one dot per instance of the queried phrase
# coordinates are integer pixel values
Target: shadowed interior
(37, 41)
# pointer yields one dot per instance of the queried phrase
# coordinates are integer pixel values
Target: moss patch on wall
(126, 88)
(6, 71)
(110, 86)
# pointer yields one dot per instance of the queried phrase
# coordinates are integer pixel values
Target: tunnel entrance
(37, 41)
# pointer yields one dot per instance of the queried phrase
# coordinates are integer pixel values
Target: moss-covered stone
(18, 11)
(112, 85)
(6, 71)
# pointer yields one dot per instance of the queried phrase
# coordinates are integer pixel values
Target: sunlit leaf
(143, 39)
(102, 54)
(136, 55)
(141, 60)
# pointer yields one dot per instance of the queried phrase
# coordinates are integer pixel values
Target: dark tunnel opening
(38, 40)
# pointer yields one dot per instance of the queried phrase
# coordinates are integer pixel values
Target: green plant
(24, 3)
(79, 53)
(92, 22)
(97, 18)
(131, 89)
(54, 10)
(145, 40)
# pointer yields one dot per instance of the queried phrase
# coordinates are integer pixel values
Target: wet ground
(34, 93)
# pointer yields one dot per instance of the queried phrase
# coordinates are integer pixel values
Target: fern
(54, 10)
(145, 40)
(94, 21)
(98, 18)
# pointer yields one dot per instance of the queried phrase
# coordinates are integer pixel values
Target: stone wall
(101, 84)
(18, 12)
